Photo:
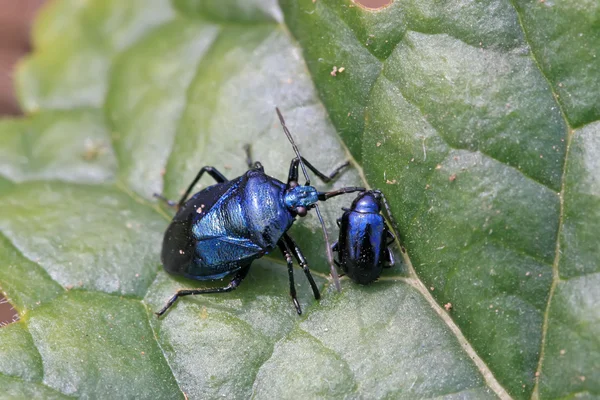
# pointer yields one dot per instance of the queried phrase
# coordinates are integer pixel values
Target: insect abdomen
(362, 241)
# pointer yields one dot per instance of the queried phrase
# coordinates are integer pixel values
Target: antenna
(289, 136)
(333, 271)
(388, 211)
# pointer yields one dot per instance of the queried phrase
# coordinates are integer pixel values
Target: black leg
(168, 202)
(288, 258)
(351, 189)
(390, 236)
(235, 282)
(335, 247)
(217, 176)
(388, 211)
(251, 164)
(291, 244)
(322, 176)
(293, 174)
(248, 156)
(390, 261)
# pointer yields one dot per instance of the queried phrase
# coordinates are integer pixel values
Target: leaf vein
(453, 147)
(19, 379)
(555, 264)
(27, 258)
(149, 315)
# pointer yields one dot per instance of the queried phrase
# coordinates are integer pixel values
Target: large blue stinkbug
(220, 230)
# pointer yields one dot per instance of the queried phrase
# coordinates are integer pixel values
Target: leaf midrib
(561, 196)
(555, 264)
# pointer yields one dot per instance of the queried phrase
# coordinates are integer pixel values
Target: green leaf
(477, 120)
(19, 355)
(466, 119)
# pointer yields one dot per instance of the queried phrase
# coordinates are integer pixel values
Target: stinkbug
(220, 230)
(364, 239)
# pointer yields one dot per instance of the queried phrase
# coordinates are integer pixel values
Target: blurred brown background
(15, 21)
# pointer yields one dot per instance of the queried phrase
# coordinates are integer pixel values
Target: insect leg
(351, 189)
(288, 258)
(322, 176)
(390, 261)
(248, 156)
(168, 202)
(293, 174)
(235, 282)
(335, 247)
(391, 237)
(216, 175)
(291, 244)
(252, 164)
(388, 211)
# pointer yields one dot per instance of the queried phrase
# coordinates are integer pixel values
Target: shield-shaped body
(362, 248)
(226, 226)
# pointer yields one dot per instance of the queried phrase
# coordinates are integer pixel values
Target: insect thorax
(251, 210)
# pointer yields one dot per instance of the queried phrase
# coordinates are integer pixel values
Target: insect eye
(301, 211)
